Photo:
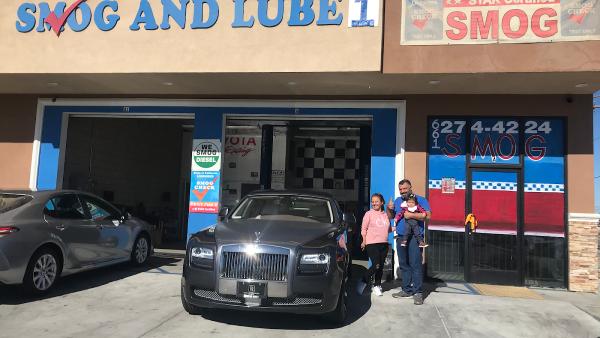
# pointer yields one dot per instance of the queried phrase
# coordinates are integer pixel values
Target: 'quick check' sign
(79, 15)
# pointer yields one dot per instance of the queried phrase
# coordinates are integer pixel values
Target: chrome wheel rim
(44, 272)
(141, 250)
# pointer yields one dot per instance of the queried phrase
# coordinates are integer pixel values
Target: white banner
(448, 22)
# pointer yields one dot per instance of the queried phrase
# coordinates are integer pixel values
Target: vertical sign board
(447, 174)
(544, 177)
(206, 171)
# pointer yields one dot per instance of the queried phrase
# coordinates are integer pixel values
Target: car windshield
(285, 208)
(10, 202)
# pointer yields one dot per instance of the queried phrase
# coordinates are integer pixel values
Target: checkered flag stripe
(327, 164)
(437, 184)
(544, 187)
(499, 186)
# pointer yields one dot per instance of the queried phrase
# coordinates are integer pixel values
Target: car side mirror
(223, 213)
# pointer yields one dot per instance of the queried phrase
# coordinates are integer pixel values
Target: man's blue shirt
(422, 201)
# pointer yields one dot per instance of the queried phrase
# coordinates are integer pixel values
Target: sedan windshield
(285, 208)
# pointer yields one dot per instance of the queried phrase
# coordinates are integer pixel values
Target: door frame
(469, 274)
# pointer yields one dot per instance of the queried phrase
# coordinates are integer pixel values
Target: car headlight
(202, 253)
(202, 257)
(314, 264)
(320, 258)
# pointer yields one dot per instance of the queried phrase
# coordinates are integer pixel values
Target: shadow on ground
(429, 285)
(14, 294)
(357, 306)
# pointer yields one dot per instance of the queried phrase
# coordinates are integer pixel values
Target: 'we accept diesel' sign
(152, 15)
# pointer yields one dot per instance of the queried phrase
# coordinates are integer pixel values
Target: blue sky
(597, 151)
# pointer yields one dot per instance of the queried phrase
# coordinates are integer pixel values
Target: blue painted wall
(597, 151)
(209, 125)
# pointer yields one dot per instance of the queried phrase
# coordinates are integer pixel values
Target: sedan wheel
(141, 250)
(42, 272)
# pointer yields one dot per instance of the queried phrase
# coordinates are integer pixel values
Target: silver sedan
(48, 234)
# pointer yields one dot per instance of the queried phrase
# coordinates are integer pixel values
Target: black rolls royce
(280, 251)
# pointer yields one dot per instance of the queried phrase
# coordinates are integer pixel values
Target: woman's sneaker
(377, 291)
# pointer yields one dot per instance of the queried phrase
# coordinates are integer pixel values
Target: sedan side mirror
(223, 213)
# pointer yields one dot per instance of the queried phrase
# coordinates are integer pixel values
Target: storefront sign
(532, 146)
(104, 15)
(441, 22)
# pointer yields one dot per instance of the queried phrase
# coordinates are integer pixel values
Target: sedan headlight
(314, 264)
(202, 257)
(203, 253)
(321, 258)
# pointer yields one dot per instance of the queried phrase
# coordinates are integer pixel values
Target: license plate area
(252, 290)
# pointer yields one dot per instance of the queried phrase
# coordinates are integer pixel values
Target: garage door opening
(325, 155)
(142, 165)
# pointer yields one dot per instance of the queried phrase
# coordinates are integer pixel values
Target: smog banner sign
(206, 174)
(448, 22)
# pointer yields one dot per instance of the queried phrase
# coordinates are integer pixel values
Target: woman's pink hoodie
(375, 227)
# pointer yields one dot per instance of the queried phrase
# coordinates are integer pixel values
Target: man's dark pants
(411, 266)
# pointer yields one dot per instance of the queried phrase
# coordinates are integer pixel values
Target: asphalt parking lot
(122, 301)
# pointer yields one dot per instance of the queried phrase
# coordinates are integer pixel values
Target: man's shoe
(418, 298)
(401, 294)
(360, 287)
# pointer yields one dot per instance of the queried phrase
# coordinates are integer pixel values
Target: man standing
(410, 257)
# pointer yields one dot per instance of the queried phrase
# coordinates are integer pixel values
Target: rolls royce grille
(257, 266)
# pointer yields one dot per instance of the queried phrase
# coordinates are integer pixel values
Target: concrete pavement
(144, 302)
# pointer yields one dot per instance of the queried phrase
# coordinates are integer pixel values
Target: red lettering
(535, 153)
(513, 147)
(454, 20)
(523, 23)
(251, 141)
(454, 146)
(234, 140)
(550, 25)
(487, 145)
(483, 28)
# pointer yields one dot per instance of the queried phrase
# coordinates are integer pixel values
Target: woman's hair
(412, 197)
(380, 196)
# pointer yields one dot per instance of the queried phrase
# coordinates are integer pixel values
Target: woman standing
(375, 230)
